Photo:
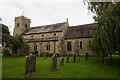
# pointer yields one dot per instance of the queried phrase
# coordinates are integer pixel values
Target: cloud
(46, 12)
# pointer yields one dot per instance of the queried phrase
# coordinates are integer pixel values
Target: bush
(64, 55)
(47, 54)
(57, 55)
(6, 53)
(41, 55)
(51, 55)
(36, 53)
(33, 53)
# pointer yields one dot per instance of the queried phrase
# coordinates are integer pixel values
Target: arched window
(80, 44)
(42, 35)
(48, 47)
(35, 47)
(25, 25)
(69, 48)
(89, 43)
(32, 36)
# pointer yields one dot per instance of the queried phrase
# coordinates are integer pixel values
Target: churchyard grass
(91, 68)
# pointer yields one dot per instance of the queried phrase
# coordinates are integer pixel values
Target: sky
(45, 12)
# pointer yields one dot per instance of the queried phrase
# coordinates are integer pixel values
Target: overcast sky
(44, 12)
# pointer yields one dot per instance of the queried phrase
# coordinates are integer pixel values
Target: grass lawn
(92, 68)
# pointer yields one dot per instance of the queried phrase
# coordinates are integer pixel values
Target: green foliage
(19, 43)
(57, 55)
(14, 43)
(5, 35)
(5, 29)
(106, 38)
(33, 53)
(6, 38)
(6, 53)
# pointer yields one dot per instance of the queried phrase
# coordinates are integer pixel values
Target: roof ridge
(47, 25)
(82, 25)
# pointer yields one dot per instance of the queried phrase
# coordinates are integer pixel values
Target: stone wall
(74, 42)
(22, 21)
(58, 34)
(85, 43)
(42, 47)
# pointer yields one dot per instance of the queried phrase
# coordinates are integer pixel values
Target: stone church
(58, 38)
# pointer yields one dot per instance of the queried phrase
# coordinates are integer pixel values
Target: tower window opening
(18, 24)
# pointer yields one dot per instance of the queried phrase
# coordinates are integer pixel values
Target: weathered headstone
(26, 65)
(67, 58)
(78, 57)
(62, 61)
(106, 62)
(45, 55)
(54, 62)
(74, 56)
(30, 64)
(86, 56)
(34, 63)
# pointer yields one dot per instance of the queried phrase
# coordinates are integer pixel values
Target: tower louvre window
(18, 24)
(25, 25)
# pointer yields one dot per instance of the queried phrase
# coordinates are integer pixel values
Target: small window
(69, 48)
(54, 34)
(89, 43)
(48, 47)
(42, 35)
(32, 36)
(35, 47)
(18, 24)
(80, 44)
(25, 25)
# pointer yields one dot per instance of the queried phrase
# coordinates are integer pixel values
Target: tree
(18, 43)
(14, 43)
(5, 35)
(106, 38)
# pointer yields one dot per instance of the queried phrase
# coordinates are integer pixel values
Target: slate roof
(44, 29)
(80, 31)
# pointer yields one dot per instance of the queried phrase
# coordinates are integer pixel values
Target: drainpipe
(54, 47)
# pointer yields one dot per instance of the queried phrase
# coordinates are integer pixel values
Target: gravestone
(34, 63)
(26, 65)
(67, 58)
(54, 62)
(45, 55)
(30, 64)
(74, 56)
(62, 61)
(78, 57)
(86, 56)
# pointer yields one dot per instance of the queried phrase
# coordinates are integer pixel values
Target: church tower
(21, 24)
